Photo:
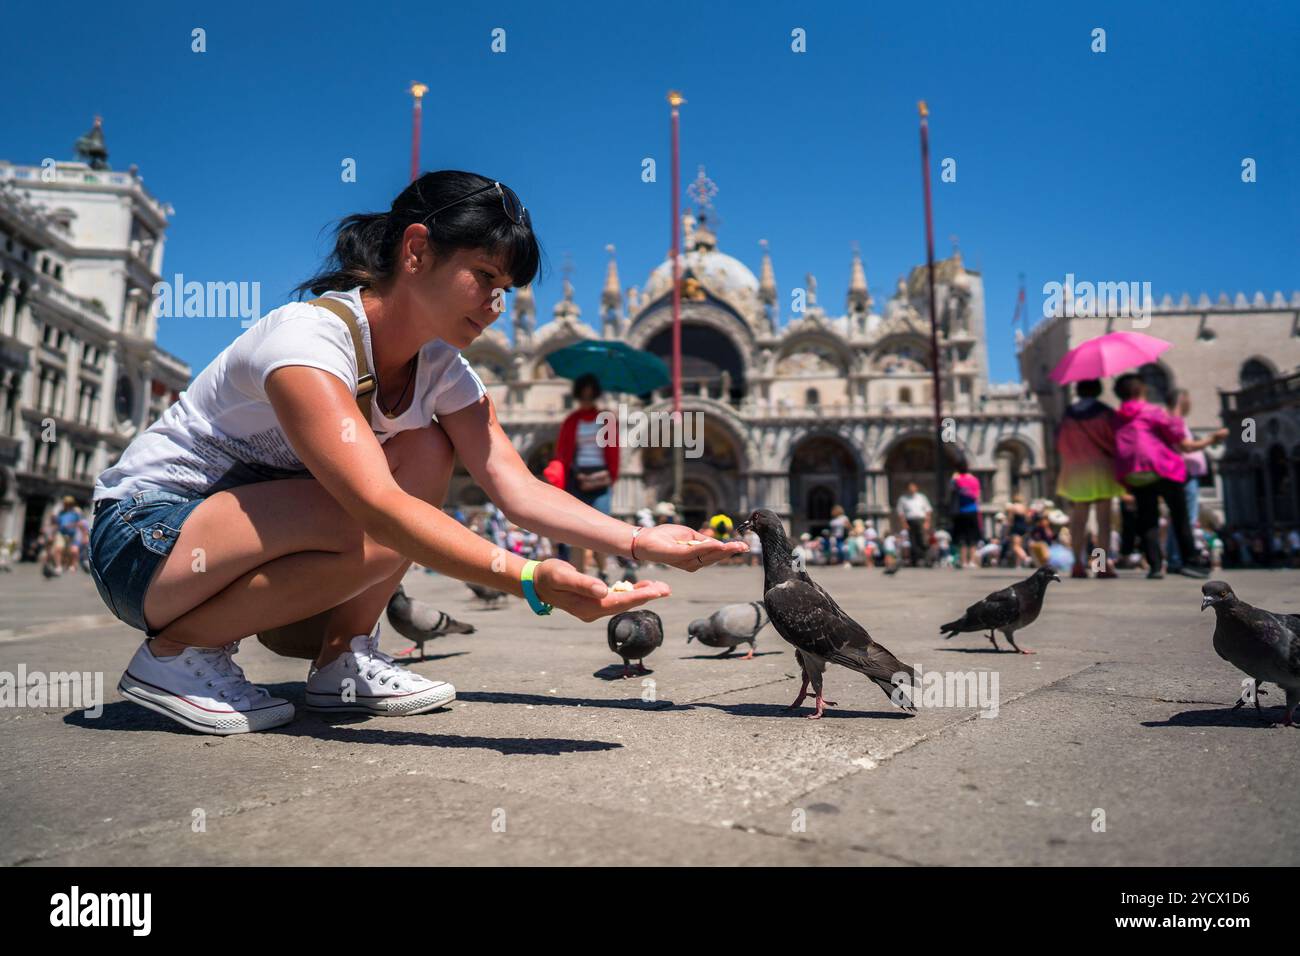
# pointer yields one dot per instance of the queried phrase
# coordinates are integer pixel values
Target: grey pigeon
(1264, 645)
(807, 617)
(730, 627)
(488, 596)
(1007, 610)
(420, 622)
(633, 635)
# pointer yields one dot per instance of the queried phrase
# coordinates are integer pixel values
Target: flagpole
(675, 100)
(417, 91)
(934, 322)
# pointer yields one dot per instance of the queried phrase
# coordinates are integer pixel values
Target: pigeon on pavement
(420, 622)
(633, 635)
(488, 596)
(807, 617)
(1007, 610)
(730, 627)
(1264, 645)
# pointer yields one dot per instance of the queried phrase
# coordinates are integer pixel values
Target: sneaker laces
(227, 678)
(384, 667)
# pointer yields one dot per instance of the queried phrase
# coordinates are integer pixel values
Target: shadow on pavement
(735, 655)
(543, 700)
(614, 672)
(1219, 717)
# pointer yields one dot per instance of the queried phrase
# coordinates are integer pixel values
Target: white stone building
(801, 411)
(80, 374)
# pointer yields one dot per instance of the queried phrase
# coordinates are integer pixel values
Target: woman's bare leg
(1103, 531)
(280, 551)
(1079, 532)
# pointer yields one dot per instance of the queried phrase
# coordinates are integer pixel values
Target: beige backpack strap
(365, 380)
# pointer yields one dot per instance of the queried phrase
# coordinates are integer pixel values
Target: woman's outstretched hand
(588, 598)
(672, 544)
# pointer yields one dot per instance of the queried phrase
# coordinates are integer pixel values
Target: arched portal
(912, 459)
(711, 480)
(1014, 473)
(824, 472)
(706, 354)
(1158, 381)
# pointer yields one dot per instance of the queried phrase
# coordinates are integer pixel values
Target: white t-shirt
(914, 507)
(222, 431)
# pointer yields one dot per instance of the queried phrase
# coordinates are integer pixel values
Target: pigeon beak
(743, 527)
(1206, 602)
(1056, 578)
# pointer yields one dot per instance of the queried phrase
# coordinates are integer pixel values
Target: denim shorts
(129, 539)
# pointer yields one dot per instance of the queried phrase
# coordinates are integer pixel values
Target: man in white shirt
(914, 508)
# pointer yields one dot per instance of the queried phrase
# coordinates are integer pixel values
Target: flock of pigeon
(1263, 645)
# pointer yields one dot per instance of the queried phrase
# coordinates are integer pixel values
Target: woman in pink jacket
(1149, 446)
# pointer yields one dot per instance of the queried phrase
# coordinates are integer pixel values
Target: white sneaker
(366, 679)
(204, 689)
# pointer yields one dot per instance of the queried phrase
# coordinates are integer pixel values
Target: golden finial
(418, 90)
(922, 108)
(675, 99)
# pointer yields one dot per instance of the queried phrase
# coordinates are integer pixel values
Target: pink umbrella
(1108, 355)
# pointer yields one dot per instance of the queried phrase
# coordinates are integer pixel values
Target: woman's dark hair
(1088, 388)
(1128, 387)
(1174, 397)
(960, 465)
(365, 243)
(586, 381)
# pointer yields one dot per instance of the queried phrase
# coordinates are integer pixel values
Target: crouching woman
(259, 499)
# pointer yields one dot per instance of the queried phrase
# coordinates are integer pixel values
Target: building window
(811, 398)
(1157, 381)
(905, 396)
(124, 400)
(1254, 372)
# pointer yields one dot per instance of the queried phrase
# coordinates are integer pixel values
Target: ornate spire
(524, 315)
(91, 147)
(611, 294)
(702, 191)
(767, 287)
(611, 298)
(767, 277)
(859, 300)
(566, 308)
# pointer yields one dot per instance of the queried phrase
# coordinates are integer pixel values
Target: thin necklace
(409, 379)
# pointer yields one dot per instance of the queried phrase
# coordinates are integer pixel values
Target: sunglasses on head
(514, 209)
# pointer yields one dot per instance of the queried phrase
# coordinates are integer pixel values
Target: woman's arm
(1189, 445)
(491, 458)
(320, 418)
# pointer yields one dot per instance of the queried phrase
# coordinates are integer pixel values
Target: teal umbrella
(618, 366)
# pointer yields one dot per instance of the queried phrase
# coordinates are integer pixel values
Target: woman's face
(459, 295)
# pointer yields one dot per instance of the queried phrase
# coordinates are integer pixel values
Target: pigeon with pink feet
(807, 617)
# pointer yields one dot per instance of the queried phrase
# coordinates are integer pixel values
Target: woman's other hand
(671, 544)
(587, 598)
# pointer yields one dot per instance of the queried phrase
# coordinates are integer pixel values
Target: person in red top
(586, 459)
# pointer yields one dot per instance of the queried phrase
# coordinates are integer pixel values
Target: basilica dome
(722, 274)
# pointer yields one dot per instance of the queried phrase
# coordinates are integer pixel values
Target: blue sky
(1122, 166)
